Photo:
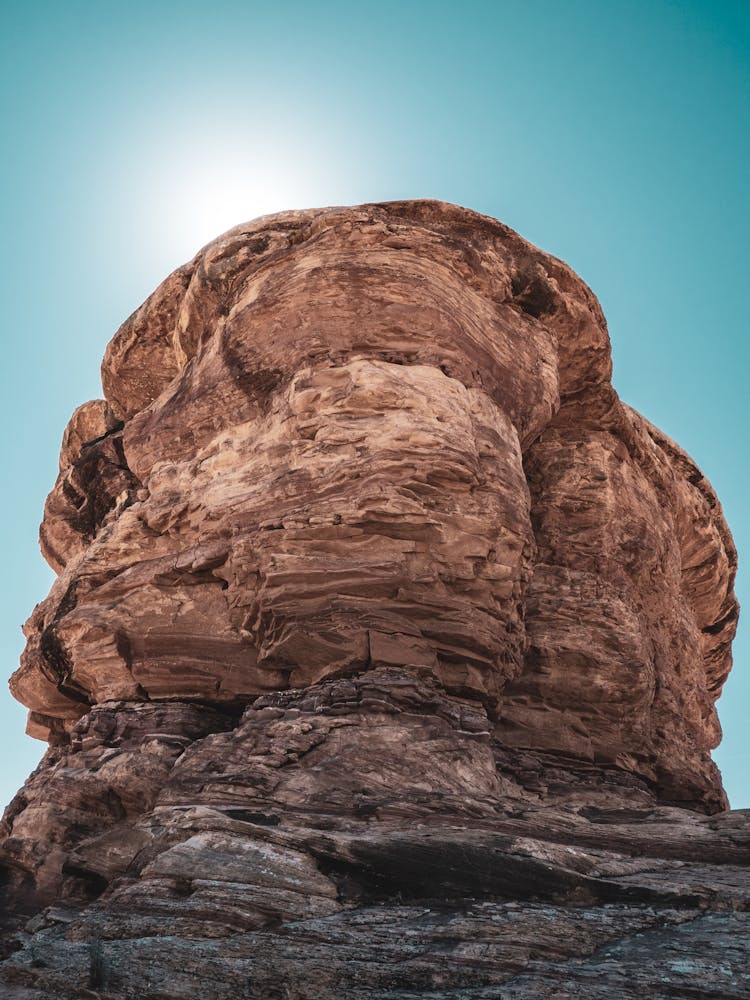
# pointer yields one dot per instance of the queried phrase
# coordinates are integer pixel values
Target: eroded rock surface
(384, 647)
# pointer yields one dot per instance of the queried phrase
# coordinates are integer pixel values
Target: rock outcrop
(384, 647)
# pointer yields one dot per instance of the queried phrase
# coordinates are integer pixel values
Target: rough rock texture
(384, 648)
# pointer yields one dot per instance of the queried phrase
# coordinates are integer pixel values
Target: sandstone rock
(384, 648)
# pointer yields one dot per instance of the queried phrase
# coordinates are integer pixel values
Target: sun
(197, 178)
(213, 191)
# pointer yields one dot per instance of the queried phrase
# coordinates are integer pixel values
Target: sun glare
(209, 195)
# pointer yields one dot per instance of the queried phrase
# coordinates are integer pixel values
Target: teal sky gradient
(613, 134)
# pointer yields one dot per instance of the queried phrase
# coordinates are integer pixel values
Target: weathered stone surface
(384, 648)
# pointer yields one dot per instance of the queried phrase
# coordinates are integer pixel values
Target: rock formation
(384, 647)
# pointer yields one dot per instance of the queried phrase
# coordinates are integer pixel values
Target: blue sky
(612, 134)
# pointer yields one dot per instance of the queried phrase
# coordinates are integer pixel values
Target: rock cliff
(384, 647)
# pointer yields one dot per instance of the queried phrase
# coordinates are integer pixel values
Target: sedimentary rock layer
(381, 627)
(364, 837)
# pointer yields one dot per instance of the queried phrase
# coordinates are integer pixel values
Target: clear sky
(612, 133)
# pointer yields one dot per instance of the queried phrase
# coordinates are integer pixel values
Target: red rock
(362, 538)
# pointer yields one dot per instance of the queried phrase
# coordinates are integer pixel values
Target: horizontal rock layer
(365, 837)
(384, 647)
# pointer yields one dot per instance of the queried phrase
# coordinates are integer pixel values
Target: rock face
(384, 647)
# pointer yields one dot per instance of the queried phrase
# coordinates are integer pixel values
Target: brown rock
(373, 597)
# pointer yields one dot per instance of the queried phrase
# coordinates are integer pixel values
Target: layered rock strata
(384, 647)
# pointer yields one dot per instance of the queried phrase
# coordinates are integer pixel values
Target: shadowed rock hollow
(384, 648)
